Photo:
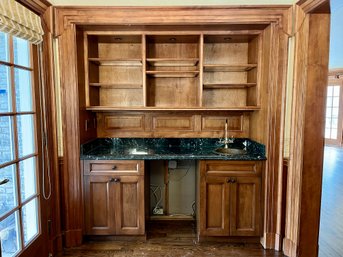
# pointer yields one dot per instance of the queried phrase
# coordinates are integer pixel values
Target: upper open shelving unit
(172, 70)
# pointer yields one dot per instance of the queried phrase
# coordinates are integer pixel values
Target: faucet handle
(231, 140)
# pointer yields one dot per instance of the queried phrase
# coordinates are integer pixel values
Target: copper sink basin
(229, 151)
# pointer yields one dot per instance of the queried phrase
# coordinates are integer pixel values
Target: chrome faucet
(226, 140)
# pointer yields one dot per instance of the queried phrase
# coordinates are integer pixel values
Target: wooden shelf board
(229, 67)
(141, 108)
(173, 74)
(116, 62)
(171, 217)
(117, 86)
(228, 85)
(173, 62)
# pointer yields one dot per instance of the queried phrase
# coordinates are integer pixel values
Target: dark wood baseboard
(72, 237)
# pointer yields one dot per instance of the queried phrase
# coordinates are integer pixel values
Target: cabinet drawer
(114, 167)
(224, 168)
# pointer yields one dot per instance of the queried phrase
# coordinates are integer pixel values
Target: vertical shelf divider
(144, 84)
(86, 64)
(201, 69)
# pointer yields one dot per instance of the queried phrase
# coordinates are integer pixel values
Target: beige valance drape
(18, 21)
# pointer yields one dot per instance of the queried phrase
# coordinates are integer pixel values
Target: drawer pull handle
(231, 180)
(114, 167)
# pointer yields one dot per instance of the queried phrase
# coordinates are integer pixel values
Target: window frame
(14, 114)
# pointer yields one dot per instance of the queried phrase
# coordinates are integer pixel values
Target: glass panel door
(19, 187)
(333, 122)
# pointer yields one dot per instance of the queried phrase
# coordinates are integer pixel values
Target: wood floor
(331, 222)
(165, 242)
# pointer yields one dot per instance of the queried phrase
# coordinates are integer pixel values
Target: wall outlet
(172, 164)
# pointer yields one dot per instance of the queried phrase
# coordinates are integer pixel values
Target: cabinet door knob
(112, 180)
(233, 180)
(228, 180)
(114, 167)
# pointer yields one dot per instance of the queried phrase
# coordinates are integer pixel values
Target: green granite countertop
(168, 149)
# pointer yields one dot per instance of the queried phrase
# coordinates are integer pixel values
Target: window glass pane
(23, 92)
(3, 47)
(330, 90)
(30, 220)
(327, 123)
(28, 185)
(333, 134)
(9, 235)
(335, 112)
(329, 101)
(328, 112)
(5, 89)
(336, 90)
(21, 52)
(8, 195)
(6, 139)
(26, 140)
(334, 123)
(327, 133)
(335, 101)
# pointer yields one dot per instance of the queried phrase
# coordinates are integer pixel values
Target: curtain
(18, 21)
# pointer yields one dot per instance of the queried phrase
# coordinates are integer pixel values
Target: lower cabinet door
(245, 211)
(99, 205)
(129, 205)
(214, 206)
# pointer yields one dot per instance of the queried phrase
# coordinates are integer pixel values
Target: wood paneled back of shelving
(171, 124)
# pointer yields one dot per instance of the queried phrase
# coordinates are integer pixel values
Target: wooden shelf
(228, 85)
(172, 217)
(117, 86)
(173, 74)
(193, 109)
(229, 67)
(116, 62)
(173, 62)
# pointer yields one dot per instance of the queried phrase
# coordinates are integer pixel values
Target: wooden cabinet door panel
(214, 211)
(99, 200)
(245, 206)
(129, 199)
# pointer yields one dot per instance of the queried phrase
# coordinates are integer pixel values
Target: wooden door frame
(68, 18)
(305, 170)
(51, 223)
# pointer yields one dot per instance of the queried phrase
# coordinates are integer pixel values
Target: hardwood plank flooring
(331, 222)
(168, 242)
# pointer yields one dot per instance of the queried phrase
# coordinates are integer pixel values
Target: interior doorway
(331, 225)
(334, 108)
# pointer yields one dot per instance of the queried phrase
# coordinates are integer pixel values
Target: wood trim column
(72, 214)
(274, 136)
(307, 145)
(53, 204)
